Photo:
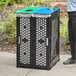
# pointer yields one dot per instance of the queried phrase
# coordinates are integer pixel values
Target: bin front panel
(25, 40)
(54, 37)
(40, 41)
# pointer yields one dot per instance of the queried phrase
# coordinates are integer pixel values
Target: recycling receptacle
(37, 37)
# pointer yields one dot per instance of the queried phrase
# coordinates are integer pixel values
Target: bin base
(40, 67)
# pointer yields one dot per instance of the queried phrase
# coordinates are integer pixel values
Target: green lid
(28, 10)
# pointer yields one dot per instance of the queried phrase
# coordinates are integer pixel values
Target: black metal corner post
(48, 49)
(33, 41)
(17, 41)
(50, 32)
(58, 46)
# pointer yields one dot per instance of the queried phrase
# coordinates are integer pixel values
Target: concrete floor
(8, 67)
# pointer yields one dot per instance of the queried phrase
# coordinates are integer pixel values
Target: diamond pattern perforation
(54, 36)
(40, 41)
(25, 40)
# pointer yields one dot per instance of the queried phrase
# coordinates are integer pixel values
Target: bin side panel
(40, 41)
(25, 40)
(54, 37)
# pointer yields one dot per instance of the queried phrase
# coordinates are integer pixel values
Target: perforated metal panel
(54, 37)
(25, 40)
(40, 41)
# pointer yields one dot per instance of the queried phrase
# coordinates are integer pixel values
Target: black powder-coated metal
(38, 42)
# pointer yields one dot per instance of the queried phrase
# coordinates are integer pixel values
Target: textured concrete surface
(8, 67)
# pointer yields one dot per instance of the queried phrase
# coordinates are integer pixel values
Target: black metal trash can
(38, 40)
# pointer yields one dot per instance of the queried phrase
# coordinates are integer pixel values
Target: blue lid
(46, 10)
